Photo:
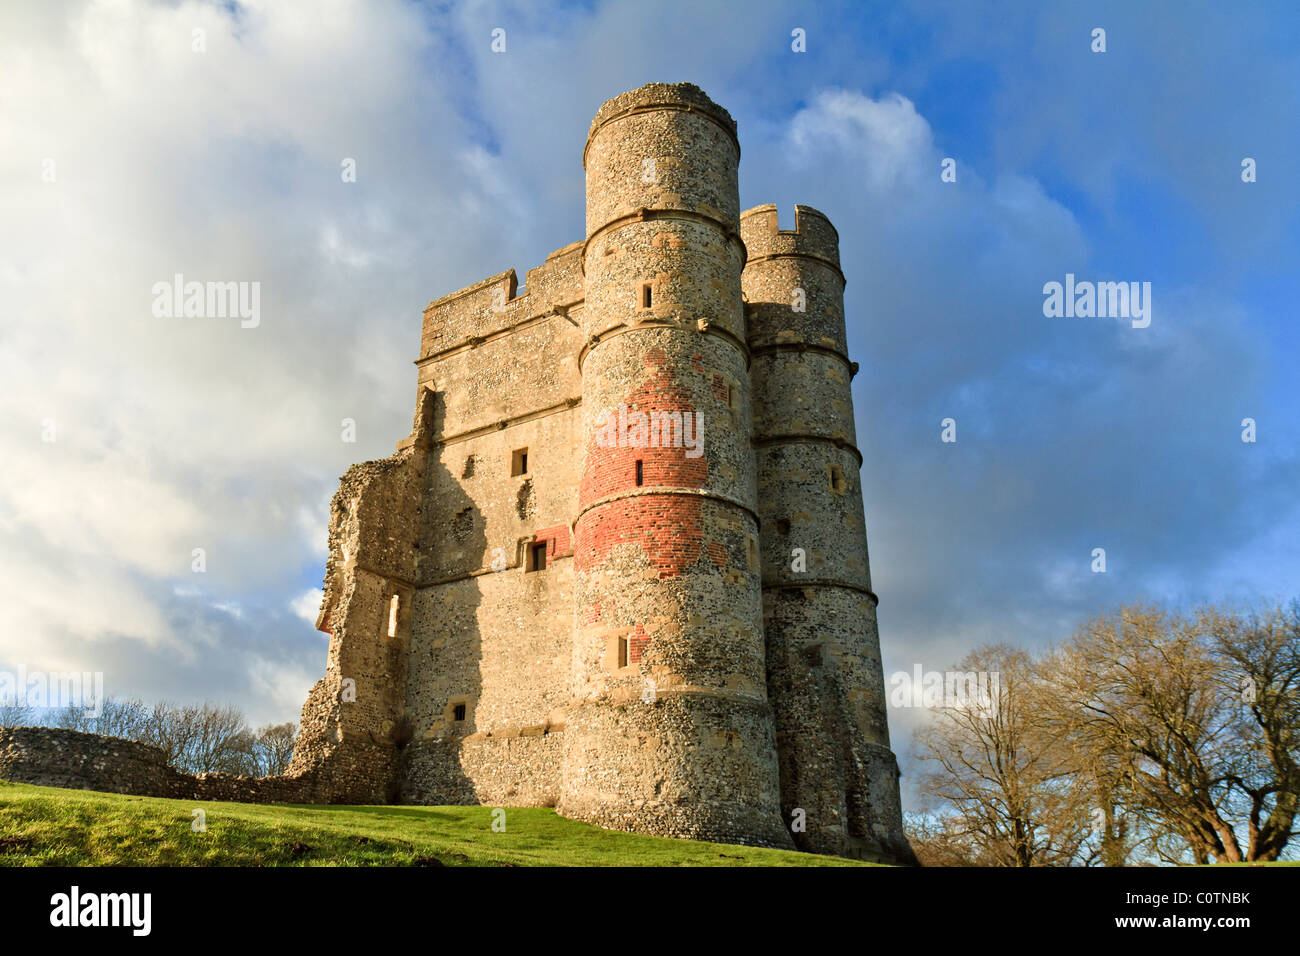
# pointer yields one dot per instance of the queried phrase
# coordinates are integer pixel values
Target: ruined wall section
(669, 731)
(354, 722)
(55, 757)
(823, 649)
(493, 622)
(621, 631)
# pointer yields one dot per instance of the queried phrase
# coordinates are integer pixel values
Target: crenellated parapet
(495, 306)
(794, 289)
(472, 340)
(663, 149)
(812, 237)
(665, 627)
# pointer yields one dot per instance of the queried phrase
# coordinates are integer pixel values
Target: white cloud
(307, 605)
(886, 137)
(176, 434)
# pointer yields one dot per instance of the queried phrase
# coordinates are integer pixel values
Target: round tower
(823, 649)
(670, 730)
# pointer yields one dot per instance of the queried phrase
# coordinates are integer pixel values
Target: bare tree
(196, 738)
(1259, 653)
(73, 718)
(123, 718)
(944, 841)
(201, 738)
(117, 718)
(224, 742)
(1003, 783)
(273, 748)
(1154, 698)
(171, 728)
(15, 715)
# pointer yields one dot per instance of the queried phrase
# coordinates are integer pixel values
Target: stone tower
(823, 650)
(619, 566)
(676, 730)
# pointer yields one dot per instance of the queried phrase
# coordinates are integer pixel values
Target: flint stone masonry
(52, 757)
(661, 668)
(67, 758)
(665, 668)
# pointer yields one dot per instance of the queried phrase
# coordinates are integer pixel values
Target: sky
(133, 149)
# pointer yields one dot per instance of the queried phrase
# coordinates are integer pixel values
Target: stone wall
(489, 652)
(52, 757)
(669, 731)
(79, 761)
(615, 631)
(509, 767)
(618, 631)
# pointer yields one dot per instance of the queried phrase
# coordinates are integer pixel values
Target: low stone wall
(51, 757)
(68, 758)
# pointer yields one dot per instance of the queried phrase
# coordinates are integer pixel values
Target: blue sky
(1072, 433)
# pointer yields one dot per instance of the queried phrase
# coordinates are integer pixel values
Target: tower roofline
(813, 235)
(677, 644)
(800, 212)
(661, 96)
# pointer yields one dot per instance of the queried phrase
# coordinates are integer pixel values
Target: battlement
(495, 303)
(813, 235)
(537, 612)
(661, 96)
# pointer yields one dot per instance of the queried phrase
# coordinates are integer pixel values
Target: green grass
(47, 826)
(1258, 863)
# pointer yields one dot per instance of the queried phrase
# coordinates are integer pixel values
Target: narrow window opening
(392, 616)
(537, 557)
(519, 462)
(647, 296)
(837, 479)
(458, 713)
(640, 473)
(622, 651)
(783, 526)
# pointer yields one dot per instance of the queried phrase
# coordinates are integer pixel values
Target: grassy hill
(48, 826)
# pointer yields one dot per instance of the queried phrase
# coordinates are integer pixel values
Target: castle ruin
(619, 566)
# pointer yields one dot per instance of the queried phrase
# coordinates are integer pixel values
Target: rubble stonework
(53, 757)
(619, 630)
(647, 636)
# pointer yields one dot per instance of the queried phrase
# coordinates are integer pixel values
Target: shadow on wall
(444, 676)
